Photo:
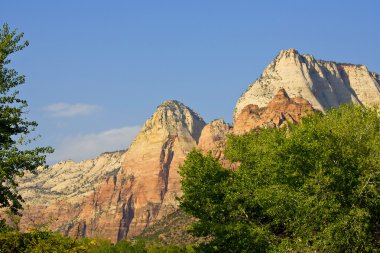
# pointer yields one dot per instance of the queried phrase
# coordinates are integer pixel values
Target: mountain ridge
(144, 182)
(324, 84)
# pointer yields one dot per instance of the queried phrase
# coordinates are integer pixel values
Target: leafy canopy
(312, 187)
(15, 159)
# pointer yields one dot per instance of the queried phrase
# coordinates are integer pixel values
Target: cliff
(68, 179)
(142, 190)
(280, 111)
(324, 84)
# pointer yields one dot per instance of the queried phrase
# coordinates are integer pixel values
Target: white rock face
(324, 84)
(68, 179)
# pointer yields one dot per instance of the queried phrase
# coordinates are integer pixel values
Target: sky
(96, 70)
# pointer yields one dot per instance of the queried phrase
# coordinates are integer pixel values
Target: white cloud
(88, 146)
(71, 110)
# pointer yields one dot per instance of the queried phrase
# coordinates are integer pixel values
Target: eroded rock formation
(68, 179)
(143, 189)
(213, 139)
(214, 136)
(324, 84)
(53, 196)
(280, 111)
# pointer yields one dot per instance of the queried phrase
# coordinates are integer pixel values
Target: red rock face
(279, 112)
(213, 139)
(146, 187)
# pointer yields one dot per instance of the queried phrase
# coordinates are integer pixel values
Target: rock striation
(145, 187)
(324, 84)
(68, 179)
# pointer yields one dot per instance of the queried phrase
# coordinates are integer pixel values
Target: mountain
(129, 193)
(324, 84)
(142, 190)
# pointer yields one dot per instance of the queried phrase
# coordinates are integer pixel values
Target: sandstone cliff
(143, 190)
(214, 136)
(324, 84)
(213, 139)
(280, 111)
(68, 179)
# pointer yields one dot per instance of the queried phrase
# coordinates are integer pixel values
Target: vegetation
(14, 127)
(312, 187)
(171, 229)
(45, 241)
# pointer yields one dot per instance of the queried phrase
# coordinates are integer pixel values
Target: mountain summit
(143, 189)
(324, 84)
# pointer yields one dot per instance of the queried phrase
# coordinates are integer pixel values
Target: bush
(47, 241)
(39, 241)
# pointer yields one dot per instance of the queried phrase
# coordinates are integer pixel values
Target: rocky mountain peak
(291, 52)
(174, 116)
(324, 84)
(132, 189)
(171, 103)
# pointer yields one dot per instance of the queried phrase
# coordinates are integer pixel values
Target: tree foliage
(46, 241)
(14, 127)
(312, 187)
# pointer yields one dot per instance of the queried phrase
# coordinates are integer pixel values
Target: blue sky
(96, 70)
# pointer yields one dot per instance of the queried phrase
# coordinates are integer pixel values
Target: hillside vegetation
(310, 187)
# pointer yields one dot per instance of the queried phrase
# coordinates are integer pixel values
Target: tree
(15, 158)
(312, 187)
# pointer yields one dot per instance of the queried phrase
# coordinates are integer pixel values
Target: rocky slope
(68, 179)
(280, 111)
(324, 84)
(214, 136)
(143, 190)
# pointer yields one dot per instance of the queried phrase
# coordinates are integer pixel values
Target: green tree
(15, 159)
(312, 187)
